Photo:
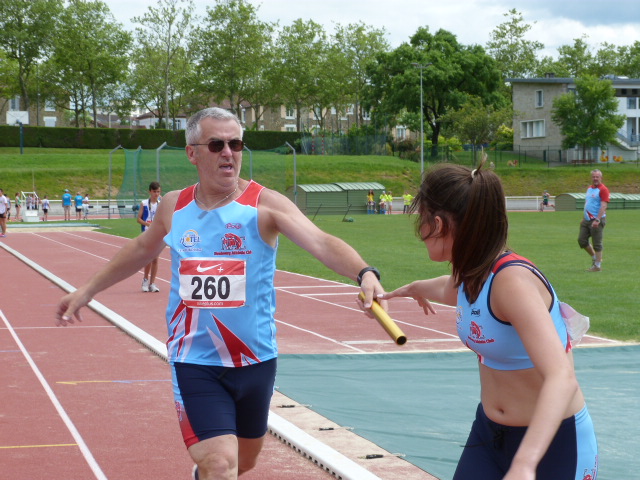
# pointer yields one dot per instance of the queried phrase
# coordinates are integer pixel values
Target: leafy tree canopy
(588, 117)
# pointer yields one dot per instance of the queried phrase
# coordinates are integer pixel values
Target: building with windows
(39, 114)
(535, 132)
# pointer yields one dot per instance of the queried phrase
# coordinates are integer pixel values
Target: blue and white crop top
(497, 343)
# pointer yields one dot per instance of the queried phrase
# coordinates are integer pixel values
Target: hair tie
(473, 173)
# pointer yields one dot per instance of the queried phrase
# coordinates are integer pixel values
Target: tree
(359, 44)
(27, 31)
(476, 123)
(162, 61)
(234, 48)
(577, 57)
(455, 71)
(629, 61)
(89, 27)
(588, 118)
(515, 55)
(300, 49)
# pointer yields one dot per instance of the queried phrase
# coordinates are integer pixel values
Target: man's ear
(191, 151)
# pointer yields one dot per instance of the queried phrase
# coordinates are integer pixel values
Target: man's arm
(279, 215)
(137, 253)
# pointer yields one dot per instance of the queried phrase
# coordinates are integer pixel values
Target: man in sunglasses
(223, 236)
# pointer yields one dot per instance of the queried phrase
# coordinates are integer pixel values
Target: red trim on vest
(509, 257)
(250, 195)
(186, 197)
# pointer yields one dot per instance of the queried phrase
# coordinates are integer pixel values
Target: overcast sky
(557, 22)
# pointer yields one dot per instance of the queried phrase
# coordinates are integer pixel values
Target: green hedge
(105, 138)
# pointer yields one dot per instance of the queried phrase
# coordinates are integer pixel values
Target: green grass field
(548, 239)
(50, 171)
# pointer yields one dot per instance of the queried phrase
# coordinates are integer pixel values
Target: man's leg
(583, 240)
(597, 237)
(248, 451)
(216, 458)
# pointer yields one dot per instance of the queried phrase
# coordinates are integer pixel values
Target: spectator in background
(77, 200)
(383, 203)
(85, 207)
(4, 208)
(407, 198)
(66, 204)
(45, 209)
(545, 200)
(389, 203)
(18, 205)
(594, 220)
(371, 202)
(146, 213)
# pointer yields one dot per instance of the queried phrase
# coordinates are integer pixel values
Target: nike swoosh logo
(204, 269)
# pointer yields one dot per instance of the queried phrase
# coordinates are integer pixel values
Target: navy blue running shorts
(490, 448)
(213, 401)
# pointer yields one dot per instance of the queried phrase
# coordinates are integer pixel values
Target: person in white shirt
(4, 212)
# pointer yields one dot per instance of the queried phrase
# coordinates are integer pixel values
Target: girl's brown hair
(471, 204)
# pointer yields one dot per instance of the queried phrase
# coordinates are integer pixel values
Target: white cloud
(558, 22)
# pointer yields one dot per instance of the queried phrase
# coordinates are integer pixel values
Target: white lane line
(343, 344)
(86, 453)
(89, 253)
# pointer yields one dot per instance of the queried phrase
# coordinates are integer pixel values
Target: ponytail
(472, 207)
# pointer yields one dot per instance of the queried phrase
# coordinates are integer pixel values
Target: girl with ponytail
(532, 421)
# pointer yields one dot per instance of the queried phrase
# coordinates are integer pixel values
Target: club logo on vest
(233, 244)
(476, 334)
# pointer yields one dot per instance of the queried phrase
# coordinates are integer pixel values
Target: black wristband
(365, 270)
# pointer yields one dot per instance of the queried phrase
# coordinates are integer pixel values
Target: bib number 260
(212, 283)
(206, 287)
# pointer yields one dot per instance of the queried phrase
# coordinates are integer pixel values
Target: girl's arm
(438, 290)
(520, 298)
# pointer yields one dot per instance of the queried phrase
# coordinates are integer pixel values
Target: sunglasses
(217, 146)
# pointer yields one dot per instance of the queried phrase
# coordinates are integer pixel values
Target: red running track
(88, 401)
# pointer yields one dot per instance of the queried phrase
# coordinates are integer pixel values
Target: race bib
(213, 283)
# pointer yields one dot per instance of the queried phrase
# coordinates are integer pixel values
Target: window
(366, 114)
(15, 103)
(401, 132)
(49, 121)
(632, 103)
(49, 106)
(539, 98)
(532, 129)
(349, 109)
(289, 128)
(290, 113)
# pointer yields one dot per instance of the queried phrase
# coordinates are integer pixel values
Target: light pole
(421, 67)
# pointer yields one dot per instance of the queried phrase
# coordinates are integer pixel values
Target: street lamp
(421, 67)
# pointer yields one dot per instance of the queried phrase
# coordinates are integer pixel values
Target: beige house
(44, 114)
(535, 133)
